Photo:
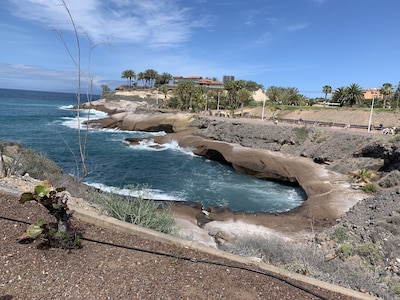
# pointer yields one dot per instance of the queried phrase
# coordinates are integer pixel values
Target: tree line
(386, 96)
(237, 94)
(147, 79)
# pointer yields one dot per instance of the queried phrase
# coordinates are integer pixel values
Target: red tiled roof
(209, 81)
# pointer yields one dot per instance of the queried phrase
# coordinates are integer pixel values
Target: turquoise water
(44, 122)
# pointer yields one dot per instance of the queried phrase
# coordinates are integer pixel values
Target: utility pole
(262, 114)
(218, 102)
(370, 115)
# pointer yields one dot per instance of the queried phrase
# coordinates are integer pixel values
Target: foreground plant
(61, 234)
(136, 209)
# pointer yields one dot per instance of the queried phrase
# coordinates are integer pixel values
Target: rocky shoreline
(347, 236)
(318, 159)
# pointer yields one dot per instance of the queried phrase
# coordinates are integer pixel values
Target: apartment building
(197, 80)
(372, 93)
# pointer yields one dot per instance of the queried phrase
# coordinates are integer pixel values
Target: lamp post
(263, 107)
(218, 103)
(370, 115)
(157, 97)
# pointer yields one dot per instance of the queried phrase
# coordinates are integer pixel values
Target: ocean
(46, 122)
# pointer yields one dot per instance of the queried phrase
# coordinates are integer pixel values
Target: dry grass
(308, 260)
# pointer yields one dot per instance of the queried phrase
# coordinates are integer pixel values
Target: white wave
(146, 193)
(149, 144)
(84, 115)
(67, 107)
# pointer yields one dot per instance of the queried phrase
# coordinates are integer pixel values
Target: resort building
(197, 80)
(372, 93)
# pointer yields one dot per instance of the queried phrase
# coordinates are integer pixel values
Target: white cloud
(296, 27)
(21, 70)
(261, 41)
(23, 75)
(152, 22)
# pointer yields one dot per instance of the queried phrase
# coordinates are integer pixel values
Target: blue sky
(290, 43)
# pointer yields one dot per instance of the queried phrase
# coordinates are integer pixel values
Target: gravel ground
(103, 271)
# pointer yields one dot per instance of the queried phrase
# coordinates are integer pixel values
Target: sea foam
(144, 192)
(151, 145)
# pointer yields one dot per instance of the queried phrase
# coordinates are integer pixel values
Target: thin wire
(194, 260)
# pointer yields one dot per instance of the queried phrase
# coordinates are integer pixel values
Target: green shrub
(369, 188)
(369, 250)
(37, 165)
(394, 288)
(136, 210)
(364, 175)
(321, 139)
(340, 234)
(395, 139)
(301, 133)
(345, 251)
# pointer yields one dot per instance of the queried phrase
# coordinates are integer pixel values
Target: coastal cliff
(319, 159)
(263, 149)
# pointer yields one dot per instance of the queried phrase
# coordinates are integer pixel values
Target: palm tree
(252, 86)
(141, 78)
(230, 87)
(397, 95)
(274, 93)
(386, 90)
(150, 75)
(105, 90)
(326, 89)
(185, 91)
(129, 74)
(244, 96)
(339, 95)
(164, 78)
(354, 94)
(199, 97)
(292, 96)
(238, 85)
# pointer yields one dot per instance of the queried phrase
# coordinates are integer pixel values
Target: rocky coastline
(318, 159)
(349, 236)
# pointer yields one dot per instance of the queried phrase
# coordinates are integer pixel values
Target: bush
(321, 139)
(340, 234)
(345, 251)
(369, 188)
(394, 288)
(308, 260)
(301, 133)
(37, 165)
(136, 210)
(369, 250)
(363, 175)
(21, 161)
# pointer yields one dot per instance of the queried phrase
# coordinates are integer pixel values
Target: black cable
(195, 260)
(210, 263)
(15, 220)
